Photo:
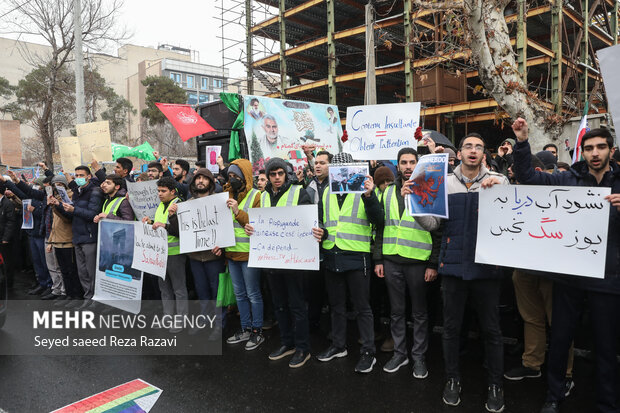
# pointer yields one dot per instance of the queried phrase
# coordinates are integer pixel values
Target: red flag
(185, 120)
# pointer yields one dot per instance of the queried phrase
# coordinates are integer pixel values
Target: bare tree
(485, 33)
(53, 21)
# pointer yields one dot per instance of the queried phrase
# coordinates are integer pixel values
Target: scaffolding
(315, 50)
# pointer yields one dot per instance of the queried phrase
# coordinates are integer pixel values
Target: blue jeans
(206, 280)
(246, 283)
(37, 250)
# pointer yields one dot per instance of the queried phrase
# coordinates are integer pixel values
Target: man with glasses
(462, 278)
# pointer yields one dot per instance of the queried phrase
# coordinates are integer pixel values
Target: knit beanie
(274, 164)
(60, 179)
(234, 169)
(548, 159)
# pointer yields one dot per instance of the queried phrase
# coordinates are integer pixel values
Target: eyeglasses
(276, 173)
(471, 146)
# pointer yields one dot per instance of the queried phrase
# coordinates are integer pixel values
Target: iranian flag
(185, 120)
(583, 128)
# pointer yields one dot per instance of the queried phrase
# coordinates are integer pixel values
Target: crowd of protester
(376, 259)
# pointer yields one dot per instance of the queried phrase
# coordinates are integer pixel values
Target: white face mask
(36, 187)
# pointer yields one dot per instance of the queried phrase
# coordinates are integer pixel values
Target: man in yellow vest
(174, 287)
(347, 221)
(287, 286)
(115, 205)
(406, 255)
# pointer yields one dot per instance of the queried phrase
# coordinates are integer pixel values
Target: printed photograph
(344, 179)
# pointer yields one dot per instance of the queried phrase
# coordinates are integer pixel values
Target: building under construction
(319, 52)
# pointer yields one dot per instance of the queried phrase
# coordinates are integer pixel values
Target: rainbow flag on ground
(136, 396)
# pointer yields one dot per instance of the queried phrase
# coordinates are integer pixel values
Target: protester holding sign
(173, 287)
(287, 286)
(570, 292)
(462, 277)
(346, 232)
(8, 230)
(60, 240)
(246, 280)
(115, 205)
(406, 255)
(206, 265)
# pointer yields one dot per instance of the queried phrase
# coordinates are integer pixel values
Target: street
(242, 380)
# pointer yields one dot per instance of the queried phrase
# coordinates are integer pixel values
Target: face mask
(236, 184)
(36, 187)
(80, 181)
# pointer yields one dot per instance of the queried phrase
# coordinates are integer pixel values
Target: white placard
(143, 198)
(609, 61)
(212, 152)
(283, 238)
(150, 253)
(205, 223)
(116, 283)
(380, 131)
(545, 228)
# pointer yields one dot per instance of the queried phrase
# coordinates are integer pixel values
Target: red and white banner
(185, 120)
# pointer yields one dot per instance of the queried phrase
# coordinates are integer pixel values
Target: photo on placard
(116, 251)
(348, 178)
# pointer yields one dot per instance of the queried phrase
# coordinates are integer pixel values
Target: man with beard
(271, 140)
(115, 205)
(408, 259)
(462, 278)
(570, 293)
(206, 265)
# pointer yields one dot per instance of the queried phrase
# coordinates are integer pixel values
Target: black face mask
(236, 184)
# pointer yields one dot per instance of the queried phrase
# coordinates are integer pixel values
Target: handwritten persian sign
(143, 198)
(380, 131)
(70, 155)
(95, 141)
(545, 228)
(150, 253)
(205, 223)
(283, 238)
(429, 195)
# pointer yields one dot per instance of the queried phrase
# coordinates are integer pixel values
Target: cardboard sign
(283, 238)
(95, 141)
(380, 131)
(205, 223)
(70, 153)
(545, 228)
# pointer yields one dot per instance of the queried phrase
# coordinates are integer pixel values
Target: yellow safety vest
(112, 205)
(161, 215)
(347, 228)
(403, 235)
(289, 198)
(241, 239)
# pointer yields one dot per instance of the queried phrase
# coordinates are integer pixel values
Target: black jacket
(579, 175)
(8, 220)
(87, 202)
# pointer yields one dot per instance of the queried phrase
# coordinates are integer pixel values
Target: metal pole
(370, 92)
(79, 63)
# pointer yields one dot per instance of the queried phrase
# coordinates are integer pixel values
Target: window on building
(192, 98)
(176, 77)
(204, 83)
(190, 81)
(203, 98)
(217, 83)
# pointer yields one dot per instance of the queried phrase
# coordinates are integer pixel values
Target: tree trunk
(497, 68)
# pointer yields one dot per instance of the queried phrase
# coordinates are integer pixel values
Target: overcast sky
(186, 23)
